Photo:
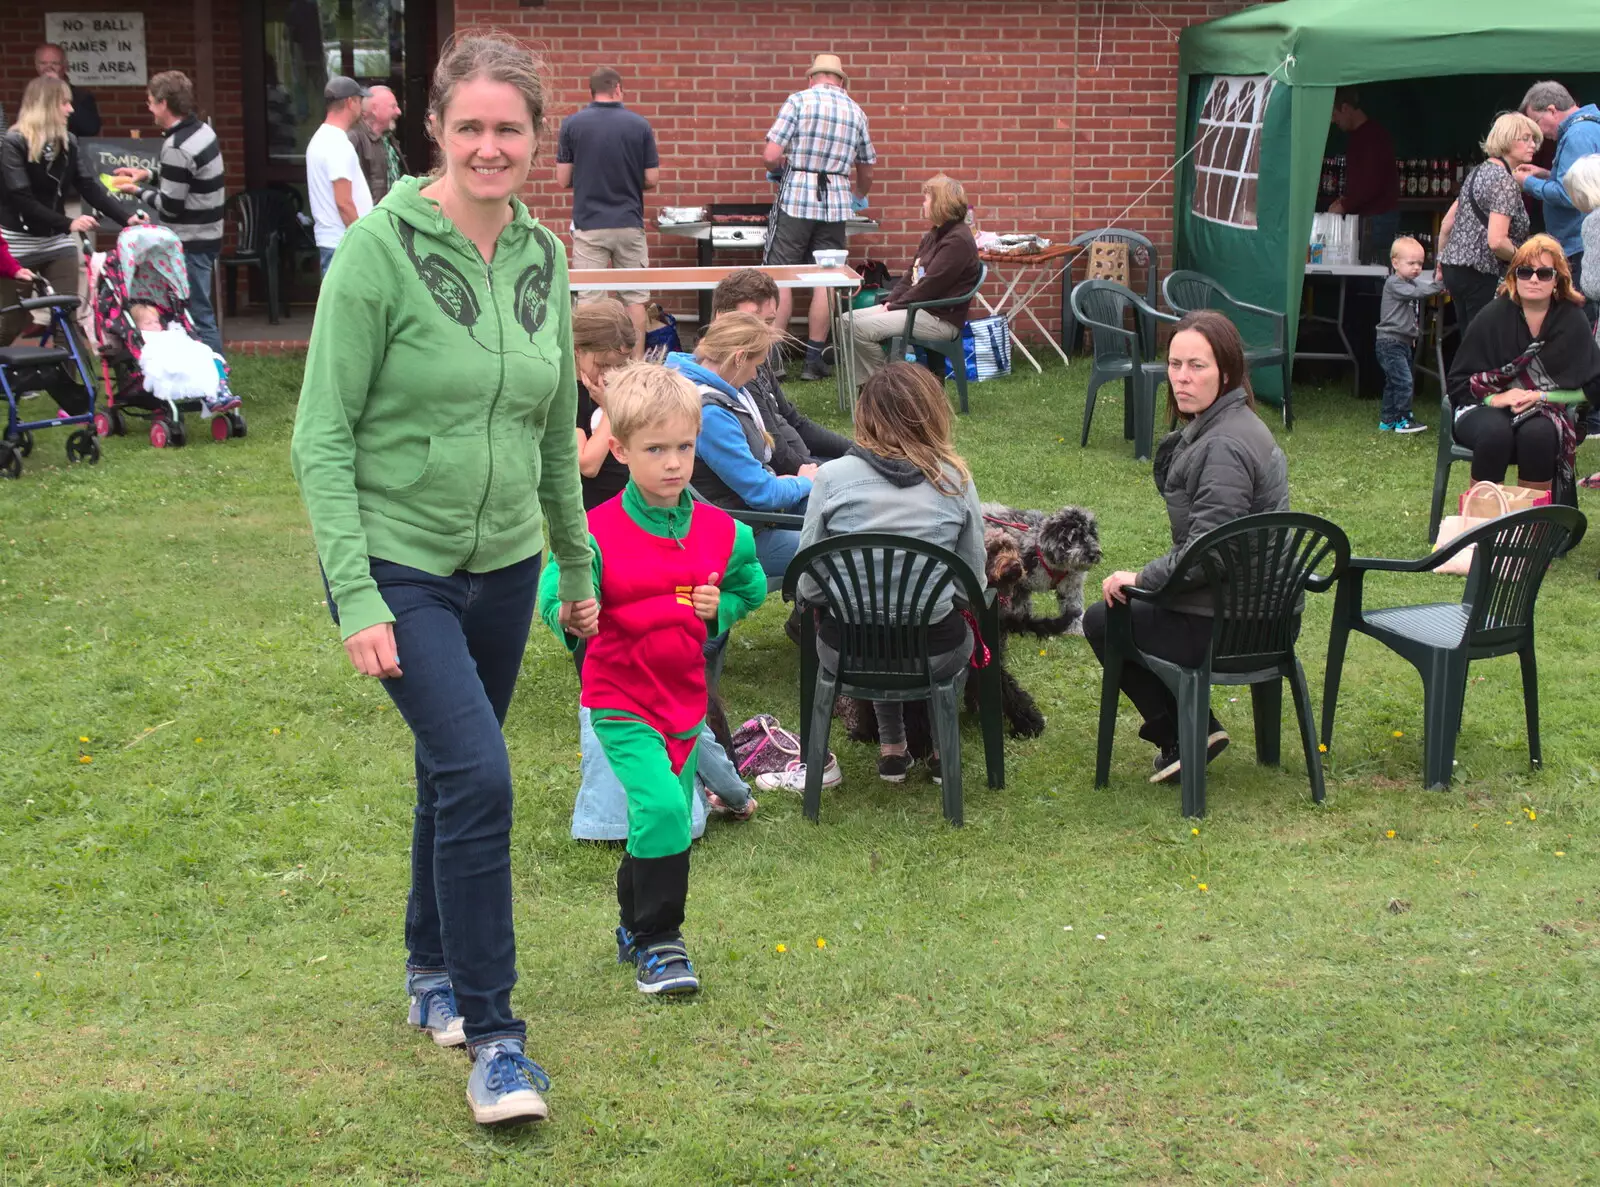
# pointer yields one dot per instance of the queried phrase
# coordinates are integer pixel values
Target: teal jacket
(435, 419)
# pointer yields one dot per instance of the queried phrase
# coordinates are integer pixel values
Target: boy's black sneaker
(1169, 765)
(664, 968)
(935, 771)
(892, 768)
(624, 945)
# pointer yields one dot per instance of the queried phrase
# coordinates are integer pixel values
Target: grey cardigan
(1221, 466)
(852, 494)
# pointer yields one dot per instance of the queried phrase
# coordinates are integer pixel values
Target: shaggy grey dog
(1057, 550)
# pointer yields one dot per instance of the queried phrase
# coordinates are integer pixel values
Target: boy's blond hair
(643, 394)
(1404, 241)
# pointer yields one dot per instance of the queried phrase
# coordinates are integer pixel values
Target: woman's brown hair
(1226, 347)
(1528, 257)
(489, 54)
(949, 199)
(902, 413)
(603, 327)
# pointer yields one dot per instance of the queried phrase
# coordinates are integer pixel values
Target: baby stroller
(55, 368)
(147, 268)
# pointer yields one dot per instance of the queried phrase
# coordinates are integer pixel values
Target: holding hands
(581, 618)
(707, 598)
(1517, 400)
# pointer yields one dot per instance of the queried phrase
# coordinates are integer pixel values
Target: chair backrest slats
(1511, 556)
(881, 592)
(1257, 570)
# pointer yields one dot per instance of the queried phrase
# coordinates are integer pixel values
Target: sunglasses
(1527, 273)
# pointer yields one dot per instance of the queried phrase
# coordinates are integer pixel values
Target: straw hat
(826, 64)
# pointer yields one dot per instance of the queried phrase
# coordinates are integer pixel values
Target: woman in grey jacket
(1221, 465)
(902, 476)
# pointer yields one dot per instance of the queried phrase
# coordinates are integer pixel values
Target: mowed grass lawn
(200, 943)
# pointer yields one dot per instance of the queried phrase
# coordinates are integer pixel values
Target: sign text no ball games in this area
(104, 49)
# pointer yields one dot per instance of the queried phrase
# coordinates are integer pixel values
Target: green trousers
(656, 771)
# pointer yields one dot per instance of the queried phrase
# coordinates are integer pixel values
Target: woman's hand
(24, 276)
(373, 652)
(580, 618)
(1523, 172)
(84, 222)
(133, 174)
(809, 470)
(1517, 400)
(1113, 585)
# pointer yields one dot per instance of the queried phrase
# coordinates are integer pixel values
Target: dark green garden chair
(943, 350)
(880, 590)
(1186, 291)
(1122, 353)
(1257, 570)
(1440, 639)
(1071, 328)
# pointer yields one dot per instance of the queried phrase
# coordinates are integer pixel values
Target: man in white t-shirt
(334, 178)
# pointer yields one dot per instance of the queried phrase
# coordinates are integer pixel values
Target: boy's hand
(580, 618)
(707, 598)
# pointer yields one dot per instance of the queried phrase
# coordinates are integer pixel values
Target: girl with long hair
(733, 454)
(40, 163)
(603, 337)
(904, 476)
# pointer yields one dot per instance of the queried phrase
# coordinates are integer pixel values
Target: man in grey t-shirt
(607, 157)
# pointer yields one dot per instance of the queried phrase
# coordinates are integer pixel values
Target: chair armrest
(769, 519)
(1383, 564)
(941, 303)
(1259, 309)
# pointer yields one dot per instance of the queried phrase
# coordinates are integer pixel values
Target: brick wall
(1056, 115)
(170, 37)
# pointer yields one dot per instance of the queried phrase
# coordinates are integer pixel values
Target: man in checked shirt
(819, 135)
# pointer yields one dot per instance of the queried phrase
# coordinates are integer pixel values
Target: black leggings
(1470, 289)
(1496, 445)
(1165, 634)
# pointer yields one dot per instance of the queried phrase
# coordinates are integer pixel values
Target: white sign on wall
(104, 49)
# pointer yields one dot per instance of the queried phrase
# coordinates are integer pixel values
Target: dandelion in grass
(1204, 887)
(1399, 733)
(1390, 834)
(81, 738)
(1322, 748)
(821, 943)
(276, 730)
(85, 758)
(781, 949)
(1194, 832)
(1561, 852)
(198, 741)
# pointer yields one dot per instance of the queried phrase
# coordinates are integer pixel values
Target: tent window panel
(1227, 156)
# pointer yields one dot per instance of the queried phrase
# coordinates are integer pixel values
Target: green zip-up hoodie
(436, 415)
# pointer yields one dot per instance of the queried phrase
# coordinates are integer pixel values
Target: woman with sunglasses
(1530, 340)
(1485, 225)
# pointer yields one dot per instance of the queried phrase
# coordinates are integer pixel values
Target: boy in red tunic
(667, 571)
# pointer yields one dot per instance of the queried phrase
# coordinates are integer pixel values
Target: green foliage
(201, 943)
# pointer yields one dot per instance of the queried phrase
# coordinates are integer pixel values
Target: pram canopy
(149, 264)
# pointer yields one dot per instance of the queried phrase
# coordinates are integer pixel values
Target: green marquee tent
(1254, 151)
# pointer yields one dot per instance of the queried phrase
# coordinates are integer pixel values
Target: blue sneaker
(1387, 426)
(433, 1009)
(664, 968)
(505, 1085)
(625, 951)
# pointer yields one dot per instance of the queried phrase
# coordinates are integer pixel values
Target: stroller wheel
(119, 423)
(178, 434)
(83, 446)
(102, 424)
(236, 419)
(22, 442)
(159, 437)
(10, 461)
(221, 428)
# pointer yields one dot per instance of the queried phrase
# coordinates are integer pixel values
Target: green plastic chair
(880, 590)
(1185, 291)
(1122, 353)
(1440, 639)
(950, 350)
(1257, 570)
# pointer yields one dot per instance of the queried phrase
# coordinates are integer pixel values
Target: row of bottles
(1430, 178)
(1420, 177)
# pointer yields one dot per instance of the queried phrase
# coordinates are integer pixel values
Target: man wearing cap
(334, 180)
(819, 135)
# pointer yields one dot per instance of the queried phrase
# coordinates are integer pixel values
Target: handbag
(1482, 502)
(661, 336)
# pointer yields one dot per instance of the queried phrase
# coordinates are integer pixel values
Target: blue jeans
(460, 640)
(1394, 356)
(775, 548)
(200, 265)
(324, 258)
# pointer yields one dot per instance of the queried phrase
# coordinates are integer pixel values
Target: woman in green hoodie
(433, 446)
